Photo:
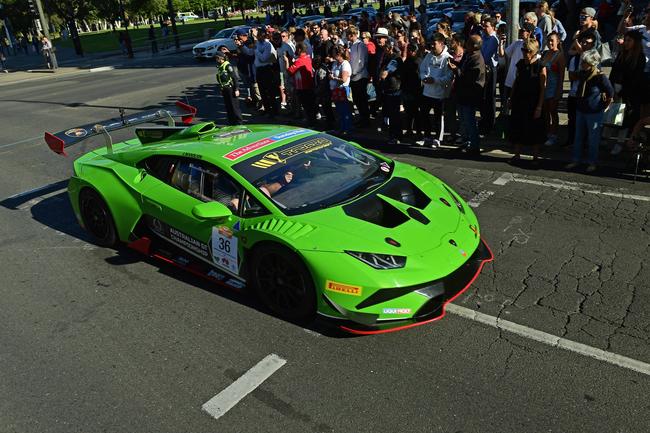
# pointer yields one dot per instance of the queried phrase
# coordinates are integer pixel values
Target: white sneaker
(617, 149)
(420, 142)
(318, 116)
(393, 141)
(435, 143)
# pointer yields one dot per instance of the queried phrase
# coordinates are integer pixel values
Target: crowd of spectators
(425, 85)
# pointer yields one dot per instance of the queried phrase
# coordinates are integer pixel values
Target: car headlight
(380, 261)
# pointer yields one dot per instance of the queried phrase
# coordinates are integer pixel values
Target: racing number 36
(224, 245)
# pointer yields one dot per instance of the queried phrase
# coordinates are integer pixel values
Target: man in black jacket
(470, 83)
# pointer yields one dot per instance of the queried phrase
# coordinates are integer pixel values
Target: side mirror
(211, 210)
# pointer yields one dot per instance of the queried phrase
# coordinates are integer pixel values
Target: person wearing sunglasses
(588, 25)
(526, 101)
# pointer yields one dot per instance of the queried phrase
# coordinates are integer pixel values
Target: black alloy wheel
(97, 218)
(283, 283)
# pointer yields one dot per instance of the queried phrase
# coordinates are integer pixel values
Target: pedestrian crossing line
(221, 403)
(566, 185)
(550, 339)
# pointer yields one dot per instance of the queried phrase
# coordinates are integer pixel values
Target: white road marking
(550, 339)
(21, 141)
(480, 198)
(566, 185)
(102, 68)
(221, 403)
(32, 191)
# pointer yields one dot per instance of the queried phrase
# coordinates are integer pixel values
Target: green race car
(314, 225)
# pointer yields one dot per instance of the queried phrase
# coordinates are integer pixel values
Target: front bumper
(440, 292)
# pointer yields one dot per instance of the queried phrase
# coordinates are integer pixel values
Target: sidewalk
(29, 67)
(493, 148)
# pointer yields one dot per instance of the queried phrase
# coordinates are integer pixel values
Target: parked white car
(182, 17)
(223, 38)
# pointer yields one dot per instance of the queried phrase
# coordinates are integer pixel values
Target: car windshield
(223, 34)
(313, 173)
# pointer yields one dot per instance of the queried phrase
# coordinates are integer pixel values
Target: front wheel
(97, 218)
(283, 283)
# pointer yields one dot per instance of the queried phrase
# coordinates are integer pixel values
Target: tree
(71, 11)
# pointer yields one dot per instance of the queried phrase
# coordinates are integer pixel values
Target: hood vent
(376, 211)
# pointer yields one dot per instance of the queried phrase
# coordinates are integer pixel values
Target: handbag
(372, 93)
(614, 114)
(339, 94)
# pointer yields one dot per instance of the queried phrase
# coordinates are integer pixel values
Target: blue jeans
(589, 125)
(469, 128)
(345, 115)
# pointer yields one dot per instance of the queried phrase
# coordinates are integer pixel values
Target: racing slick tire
(283, 283)
(97, 218)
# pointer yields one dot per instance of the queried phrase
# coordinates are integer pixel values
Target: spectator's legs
(345, 115)
(470, 128)
(426, 104)
(595, 126)
(439, 118)
(269, 89)
(411, 110)
(581, 127)
(306, 98)
(360, 98)
(571, 127)
(489, 104)
(326, 102)
(392, 104)
(451, 119)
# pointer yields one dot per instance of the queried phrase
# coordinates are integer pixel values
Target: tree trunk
(74, 35)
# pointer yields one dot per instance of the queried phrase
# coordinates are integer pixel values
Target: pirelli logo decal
(273, 158)
(346, 289)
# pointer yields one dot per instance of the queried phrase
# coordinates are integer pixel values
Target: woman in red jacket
(303, 80)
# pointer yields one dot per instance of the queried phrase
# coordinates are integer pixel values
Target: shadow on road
(55, 212)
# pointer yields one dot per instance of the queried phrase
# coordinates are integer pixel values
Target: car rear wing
(59, 141)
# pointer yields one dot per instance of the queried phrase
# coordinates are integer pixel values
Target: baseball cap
(590, 12)
(220, 54)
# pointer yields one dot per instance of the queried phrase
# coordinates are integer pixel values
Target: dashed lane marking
(550, 339)
(221, 403)
(480, 198)
(566, 185)
(21, 141)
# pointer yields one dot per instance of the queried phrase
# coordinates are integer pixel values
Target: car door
(179, 185)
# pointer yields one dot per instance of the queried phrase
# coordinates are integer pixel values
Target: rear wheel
(97, 218)
(283, 283)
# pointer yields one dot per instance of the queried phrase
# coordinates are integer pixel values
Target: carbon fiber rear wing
(59, 141)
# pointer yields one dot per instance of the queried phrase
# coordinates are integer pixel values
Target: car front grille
(199, 50)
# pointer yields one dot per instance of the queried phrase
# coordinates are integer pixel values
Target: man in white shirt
(359, 78)
(266, 71)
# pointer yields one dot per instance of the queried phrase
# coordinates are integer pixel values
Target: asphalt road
(97, 340)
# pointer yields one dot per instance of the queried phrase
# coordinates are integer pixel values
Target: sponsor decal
(224, 249)
(463, 253)
(181, 239)
(231, 133)
(346, 289)
(273, 158)
(384, 167)
(192, 155)
(216, 275)
(76, 132)
(182, 260)
(396, 311)
(238, 153)
(237, 284)
(236, 226)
